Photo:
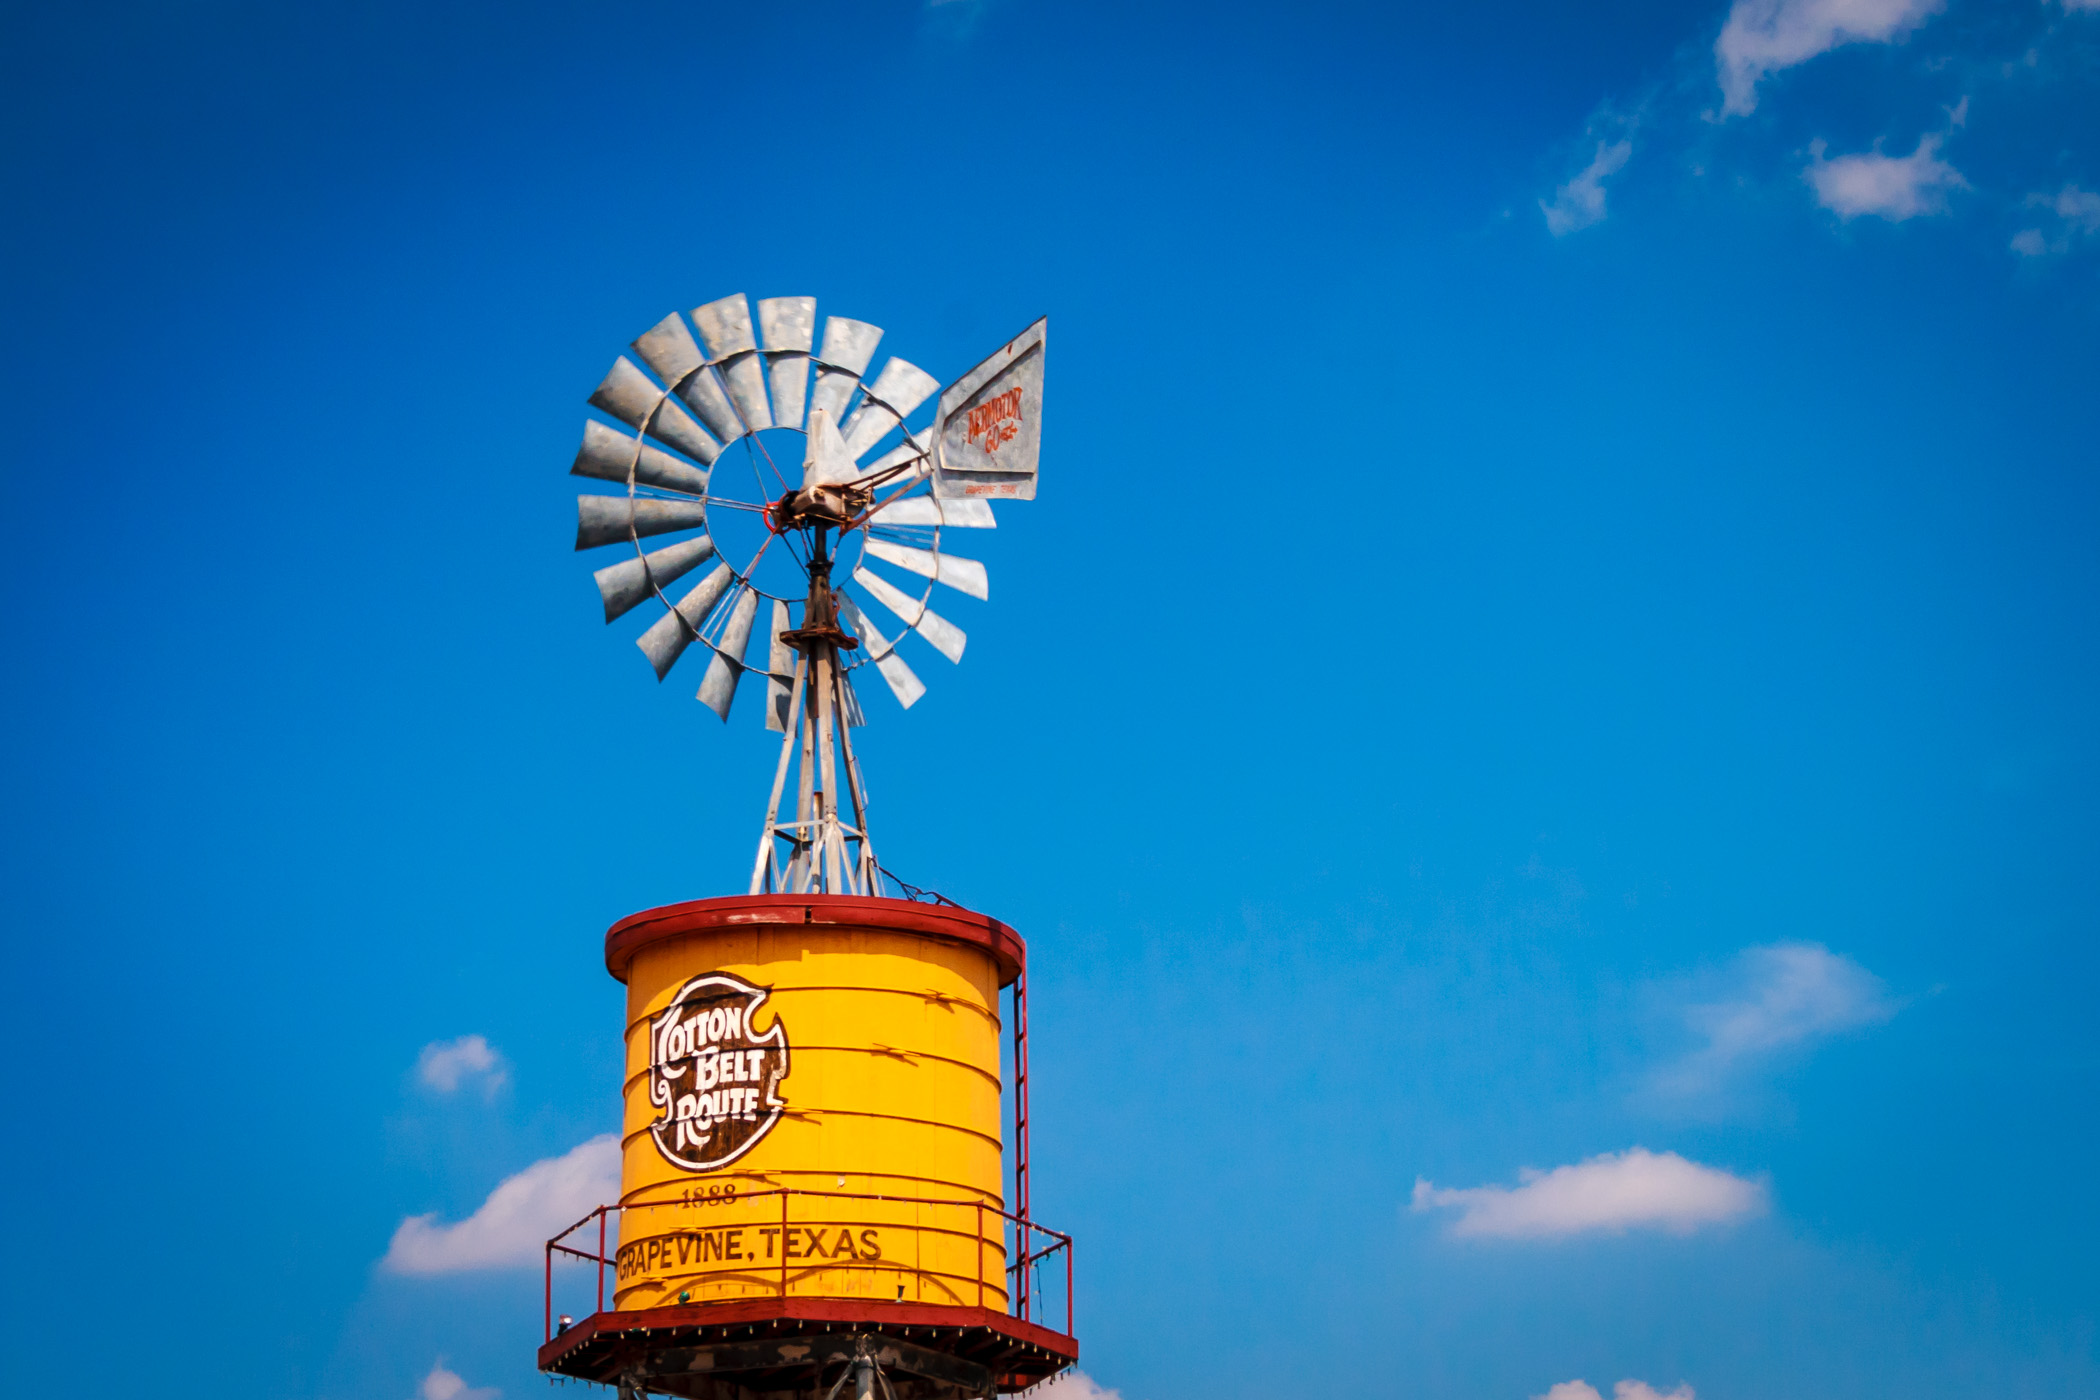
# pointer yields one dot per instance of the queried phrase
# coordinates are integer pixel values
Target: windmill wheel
(697, 451)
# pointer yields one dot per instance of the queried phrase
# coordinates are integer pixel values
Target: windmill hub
(819, 507)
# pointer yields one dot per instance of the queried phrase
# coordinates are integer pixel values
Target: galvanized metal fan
(733, 386)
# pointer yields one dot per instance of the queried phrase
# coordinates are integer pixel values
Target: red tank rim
(945, 921)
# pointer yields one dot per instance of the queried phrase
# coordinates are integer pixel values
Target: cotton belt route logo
(714, 1082)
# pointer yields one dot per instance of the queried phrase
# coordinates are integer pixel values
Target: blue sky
(1539, 729)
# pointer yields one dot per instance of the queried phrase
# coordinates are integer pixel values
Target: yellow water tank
(812, 1102)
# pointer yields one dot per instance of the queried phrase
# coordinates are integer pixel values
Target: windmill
(821, 1192)
(858, 528)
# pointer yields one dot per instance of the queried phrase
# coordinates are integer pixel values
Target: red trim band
(637, 931)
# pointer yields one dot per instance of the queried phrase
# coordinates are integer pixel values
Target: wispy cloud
(446, 1065)
(443, 1384)
(1782, 997)
(1616, 1191)
(515, 1222)
(1624, 1390)
(2076, 215)
(955, 21)
(1762, 37)
(1580, 202)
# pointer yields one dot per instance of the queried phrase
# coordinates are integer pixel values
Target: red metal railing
(1021, 1175)
(1024, 1272)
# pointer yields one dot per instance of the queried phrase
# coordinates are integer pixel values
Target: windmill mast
(819, 851)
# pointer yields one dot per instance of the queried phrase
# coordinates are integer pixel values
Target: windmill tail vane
(668, 444)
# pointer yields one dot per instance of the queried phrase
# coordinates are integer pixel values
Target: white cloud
(2079, 207)
(445, 1065)
(1580, 202)
(515, 1222)
(1075, 1385)
(1624, 1390)
(442, 1384)
(1615, 1191)
(1785, 996)
(1761, 37)
(1890, 187)
(2082, 4)
(2077, 214)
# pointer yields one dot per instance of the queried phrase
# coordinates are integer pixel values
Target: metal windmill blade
(895, 523)
(900, 388)
(786, 334)
(733, 351)
(775, 536)
(909, 461)
(672, 355)
(718, 686)
(947, 638)
(627, 395)
(854, 718)
(614, 456)
(611, 519)
(780, 670)
(669, 636)
(848, 346)
(963, 575)
(903, 681)
(626, 583)
(932, 510)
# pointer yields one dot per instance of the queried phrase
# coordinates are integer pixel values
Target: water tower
(814, 1173)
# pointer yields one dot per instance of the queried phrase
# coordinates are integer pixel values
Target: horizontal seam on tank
(768, 1272)
(632, 1075)
(641, 1029)
(770, 1268)
(943, 1230)
(938, 998)
(993, 1200)
(997, 1198)
(1000, 1143)
(998, 1081)
(949, 1290)
(767, 1276)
